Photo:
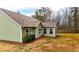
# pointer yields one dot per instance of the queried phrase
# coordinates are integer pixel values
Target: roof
(22, 20)
(49, 24)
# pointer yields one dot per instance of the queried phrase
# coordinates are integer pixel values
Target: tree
(74, 14)
(43, 14)
(63, 19)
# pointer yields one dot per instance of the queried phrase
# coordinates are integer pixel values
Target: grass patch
(62, 43)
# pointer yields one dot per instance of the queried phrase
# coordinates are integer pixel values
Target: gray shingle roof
(26, 21)
(22, 20)
(49, 24)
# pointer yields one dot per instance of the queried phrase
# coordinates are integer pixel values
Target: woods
(67, 18)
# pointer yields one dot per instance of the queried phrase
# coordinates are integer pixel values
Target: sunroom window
(26, 30)
(51, 31)
(45, 31)
(39, 30)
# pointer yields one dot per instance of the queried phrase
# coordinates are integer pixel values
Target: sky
(28, 7)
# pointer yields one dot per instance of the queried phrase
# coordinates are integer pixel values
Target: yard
(62, 43)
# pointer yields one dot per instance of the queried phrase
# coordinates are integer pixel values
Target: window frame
(51, 31)
(40, 30)
(45, 31)
(27, 30)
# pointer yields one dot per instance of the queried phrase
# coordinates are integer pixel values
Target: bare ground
(62, 43)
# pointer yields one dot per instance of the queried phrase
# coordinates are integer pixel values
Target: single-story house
(14, 26)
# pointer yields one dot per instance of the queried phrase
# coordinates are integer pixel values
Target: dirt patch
(61, 43)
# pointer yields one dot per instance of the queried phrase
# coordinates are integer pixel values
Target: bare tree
(74, 14)
(43, 14)
(69, 18)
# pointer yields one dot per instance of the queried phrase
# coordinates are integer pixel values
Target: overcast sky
(28, 7)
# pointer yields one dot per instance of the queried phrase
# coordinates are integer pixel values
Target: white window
(45, 31)
(29, 31)
(39, 30)
(51, 31)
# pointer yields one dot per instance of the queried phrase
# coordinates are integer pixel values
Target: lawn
(62, 43)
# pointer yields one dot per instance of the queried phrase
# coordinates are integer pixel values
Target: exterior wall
(39, 34)
(48, 32)
(9, 30)
(30, 31)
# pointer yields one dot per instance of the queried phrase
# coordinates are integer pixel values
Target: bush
(29, 38)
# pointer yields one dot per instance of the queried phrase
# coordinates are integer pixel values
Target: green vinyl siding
(9, 30)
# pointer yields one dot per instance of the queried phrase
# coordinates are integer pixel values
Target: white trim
(10, 18)
(20, 35)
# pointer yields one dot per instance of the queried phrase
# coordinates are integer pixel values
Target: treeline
(67, 18)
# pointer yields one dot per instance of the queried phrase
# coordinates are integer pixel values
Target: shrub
(28, 38)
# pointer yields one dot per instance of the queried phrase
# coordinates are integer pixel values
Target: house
(14, 26)
(49, 28)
